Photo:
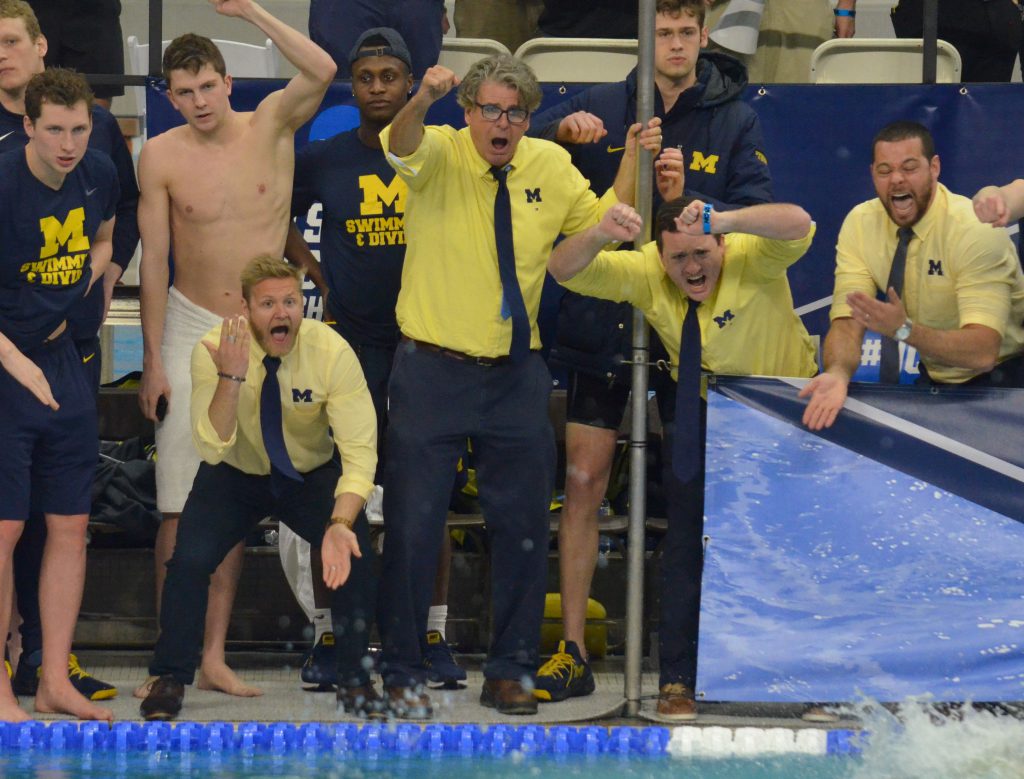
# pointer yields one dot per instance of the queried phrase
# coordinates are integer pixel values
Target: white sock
(437, 617)
(321, 623)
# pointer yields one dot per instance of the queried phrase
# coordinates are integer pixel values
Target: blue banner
(868, 561)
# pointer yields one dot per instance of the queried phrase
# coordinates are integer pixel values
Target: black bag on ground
(124, 495)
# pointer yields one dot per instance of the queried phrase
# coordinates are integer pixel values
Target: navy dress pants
(224, 505)
(437, 402)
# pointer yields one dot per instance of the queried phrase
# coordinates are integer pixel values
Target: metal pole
(930, 25)
(156, 35)
(641, 358)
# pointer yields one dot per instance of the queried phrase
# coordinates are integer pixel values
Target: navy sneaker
(565, 675)
(320, 668)
(26, 678)
(439, 661)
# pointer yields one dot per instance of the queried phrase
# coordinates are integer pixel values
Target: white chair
(242, 59)
(458, 54)
(881, 61)
(579, 60)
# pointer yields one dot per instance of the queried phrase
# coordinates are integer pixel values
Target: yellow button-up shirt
(451, 290)
(323, 391)
(959, 272)
(748, 326)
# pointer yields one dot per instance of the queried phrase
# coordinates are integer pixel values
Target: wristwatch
(903, 331)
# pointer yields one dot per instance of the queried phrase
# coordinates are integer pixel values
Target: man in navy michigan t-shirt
(57, 204)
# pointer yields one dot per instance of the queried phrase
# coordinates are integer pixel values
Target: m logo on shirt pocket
(302, 396)
(533, 195)
(935, 268)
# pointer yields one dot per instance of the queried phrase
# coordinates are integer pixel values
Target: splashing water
(920, 740)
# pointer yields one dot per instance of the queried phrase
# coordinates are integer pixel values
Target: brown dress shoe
(507, 696)
(363, 702)
(164, 699)
(408, 703)
(675, 702)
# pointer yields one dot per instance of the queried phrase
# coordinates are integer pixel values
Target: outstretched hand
(29, 375)
(231, 355)
(339, 546)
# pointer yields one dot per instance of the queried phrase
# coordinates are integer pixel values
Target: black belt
(487, 362)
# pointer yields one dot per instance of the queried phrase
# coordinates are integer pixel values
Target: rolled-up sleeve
(353, 423)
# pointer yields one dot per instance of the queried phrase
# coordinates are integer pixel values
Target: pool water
(107, 766)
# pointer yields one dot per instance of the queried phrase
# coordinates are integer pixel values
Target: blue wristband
(707, 219)
(844, 12)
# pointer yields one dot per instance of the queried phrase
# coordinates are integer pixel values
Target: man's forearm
(407, 128)
(153, 277)
(575, 253)
(776, 221)
(223, 411)
(297, 252)
(975, 347)
(841, 353)
(300, 51)
(347, 506)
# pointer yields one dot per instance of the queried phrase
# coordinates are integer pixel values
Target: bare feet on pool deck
(10, 711)
(220, 678)
(142, 691)
(63, 698)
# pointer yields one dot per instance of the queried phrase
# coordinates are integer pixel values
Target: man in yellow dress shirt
(962, 305)
(732, 265)
(270, 450)
(485, 206)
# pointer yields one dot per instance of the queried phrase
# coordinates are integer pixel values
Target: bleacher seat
(579, 60)
(242, 59)
(880, 61)
(458, 54)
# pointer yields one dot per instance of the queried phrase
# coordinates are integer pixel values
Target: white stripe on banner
(813, 306)
(938, 440)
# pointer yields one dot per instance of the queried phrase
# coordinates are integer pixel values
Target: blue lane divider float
(278, 738)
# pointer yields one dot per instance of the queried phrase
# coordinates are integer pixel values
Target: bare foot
(65, 699)
(143, 689)
(10, 711)
(220, 678)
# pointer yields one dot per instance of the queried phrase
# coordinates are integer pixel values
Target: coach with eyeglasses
(485, 206)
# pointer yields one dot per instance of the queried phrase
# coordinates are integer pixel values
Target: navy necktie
(889, 367)
(513, 295)
(686, 450)
(272, 427)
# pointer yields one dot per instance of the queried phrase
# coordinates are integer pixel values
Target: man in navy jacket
(698, 99)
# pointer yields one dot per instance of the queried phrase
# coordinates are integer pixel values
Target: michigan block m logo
(377, 194)
(70, 233)
(533, 195)
(935, 268)
(724, 319)
(707, 164)
(302, 396)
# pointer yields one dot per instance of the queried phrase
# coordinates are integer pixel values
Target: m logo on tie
(302, 396)
(377, 194)
(707, 164)
(724, 319)
(533, 195)
(935, 268)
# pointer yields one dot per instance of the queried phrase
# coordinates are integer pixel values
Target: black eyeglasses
(492, 113)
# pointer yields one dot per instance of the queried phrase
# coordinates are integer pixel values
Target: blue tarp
(832, 574)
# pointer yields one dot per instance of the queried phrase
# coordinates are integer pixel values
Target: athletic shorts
(596, 401)
(49, 456)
